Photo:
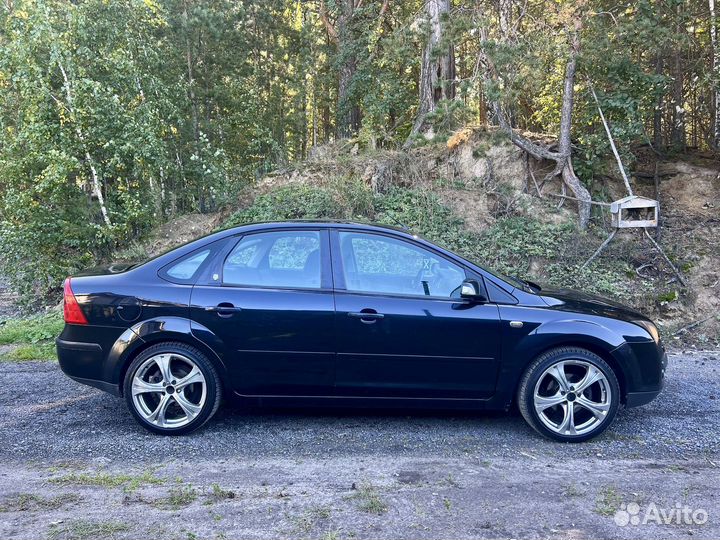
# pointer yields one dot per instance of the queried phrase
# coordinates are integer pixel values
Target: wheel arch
(588, 335)
(147, 333)
(593, 347)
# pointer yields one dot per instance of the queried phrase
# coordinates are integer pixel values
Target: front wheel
(172, 389)
(569, 394)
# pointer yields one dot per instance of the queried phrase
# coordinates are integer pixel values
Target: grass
(571, 490)
(608, 501)
(218, 494)
(129, 482)
(81, 529)
(307, 521)
(32, 330)
(178, 497)
(30, 502)
(369, 500)
(32, 351)
(32, 338)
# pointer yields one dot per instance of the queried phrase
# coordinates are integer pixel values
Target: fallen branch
(642, 267)
(692, 325)
(612, 142)
(532, 175)
(576, 199)
(598, 250)
(667, 259)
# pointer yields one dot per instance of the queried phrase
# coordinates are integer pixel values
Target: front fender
(145, 333)
(543, 330)
(564, 331)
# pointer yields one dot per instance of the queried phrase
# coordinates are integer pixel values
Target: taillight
(71, 309)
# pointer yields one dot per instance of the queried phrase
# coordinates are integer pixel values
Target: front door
(402, 329)
(273, 310)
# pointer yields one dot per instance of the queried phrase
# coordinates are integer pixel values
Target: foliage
(509, 246)
(32, 351)
(32, 330)
(145, 109)
(291, 202)
(32, 338)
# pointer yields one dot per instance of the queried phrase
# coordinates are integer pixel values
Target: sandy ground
(75, 465)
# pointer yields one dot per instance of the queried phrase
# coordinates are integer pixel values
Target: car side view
(339, 313)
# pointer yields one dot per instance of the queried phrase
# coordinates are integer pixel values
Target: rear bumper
(83, 363)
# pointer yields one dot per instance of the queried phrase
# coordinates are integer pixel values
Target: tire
(181, 379)
(544, 399)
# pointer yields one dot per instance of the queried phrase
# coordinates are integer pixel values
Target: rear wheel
(172, 388)
(569, 394)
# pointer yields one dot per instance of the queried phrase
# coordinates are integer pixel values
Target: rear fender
(145, 333)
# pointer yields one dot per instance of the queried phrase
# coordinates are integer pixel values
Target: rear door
(273, 309)
(402, 329)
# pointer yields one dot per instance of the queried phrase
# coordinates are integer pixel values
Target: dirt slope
(483, 178)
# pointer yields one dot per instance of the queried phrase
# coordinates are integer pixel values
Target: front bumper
(635, 399)
(642, 397)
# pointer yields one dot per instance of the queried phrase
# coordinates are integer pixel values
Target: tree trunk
(657, 113)
(678, 112)
(565, 147)
(505, 17)
(96, 184)
(437, 71)
(348, 114)
(563, 157)
(191, 77)
(716, 75)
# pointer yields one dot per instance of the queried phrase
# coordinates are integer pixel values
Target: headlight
(651, 329)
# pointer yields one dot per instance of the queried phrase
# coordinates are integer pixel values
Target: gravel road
(75, 465)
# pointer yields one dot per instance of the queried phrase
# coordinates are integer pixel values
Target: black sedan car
(349, 314)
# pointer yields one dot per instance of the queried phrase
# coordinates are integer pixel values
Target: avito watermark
(680, 514)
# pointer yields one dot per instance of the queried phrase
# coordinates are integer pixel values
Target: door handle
(223, 309)
(367, 316)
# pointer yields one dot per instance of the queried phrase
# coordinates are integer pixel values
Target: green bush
(33, 338)
(509, 246)
(290, 202)
(32, 330)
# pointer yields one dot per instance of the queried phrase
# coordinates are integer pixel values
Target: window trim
(326, 280)
(214, 248)
(339, 269)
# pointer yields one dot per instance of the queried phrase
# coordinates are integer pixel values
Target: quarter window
(275, 259)
(379, 264)
(185, 269)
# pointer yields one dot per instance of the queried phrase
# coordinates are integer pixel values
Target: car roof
(182, 250)
(158, 262)
(322, 223)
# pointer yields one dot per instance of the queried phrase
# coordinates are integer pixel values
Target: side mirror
(471, 290)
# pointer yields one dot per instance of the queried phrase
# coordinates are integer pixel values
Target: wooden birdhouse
(634, 211)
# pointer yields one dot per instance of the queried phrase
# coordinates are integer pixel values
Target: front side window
(380, 264)
(275, 259)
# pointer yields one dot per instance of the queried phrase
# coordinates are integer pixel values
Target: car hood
(580, 302)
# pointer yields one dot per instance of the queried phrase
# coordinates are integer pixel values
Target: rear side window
(188, 267)
(288, 259)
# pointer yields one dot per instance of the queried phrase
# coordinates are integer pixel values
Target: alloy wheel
(169, 390)
(572, 397)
